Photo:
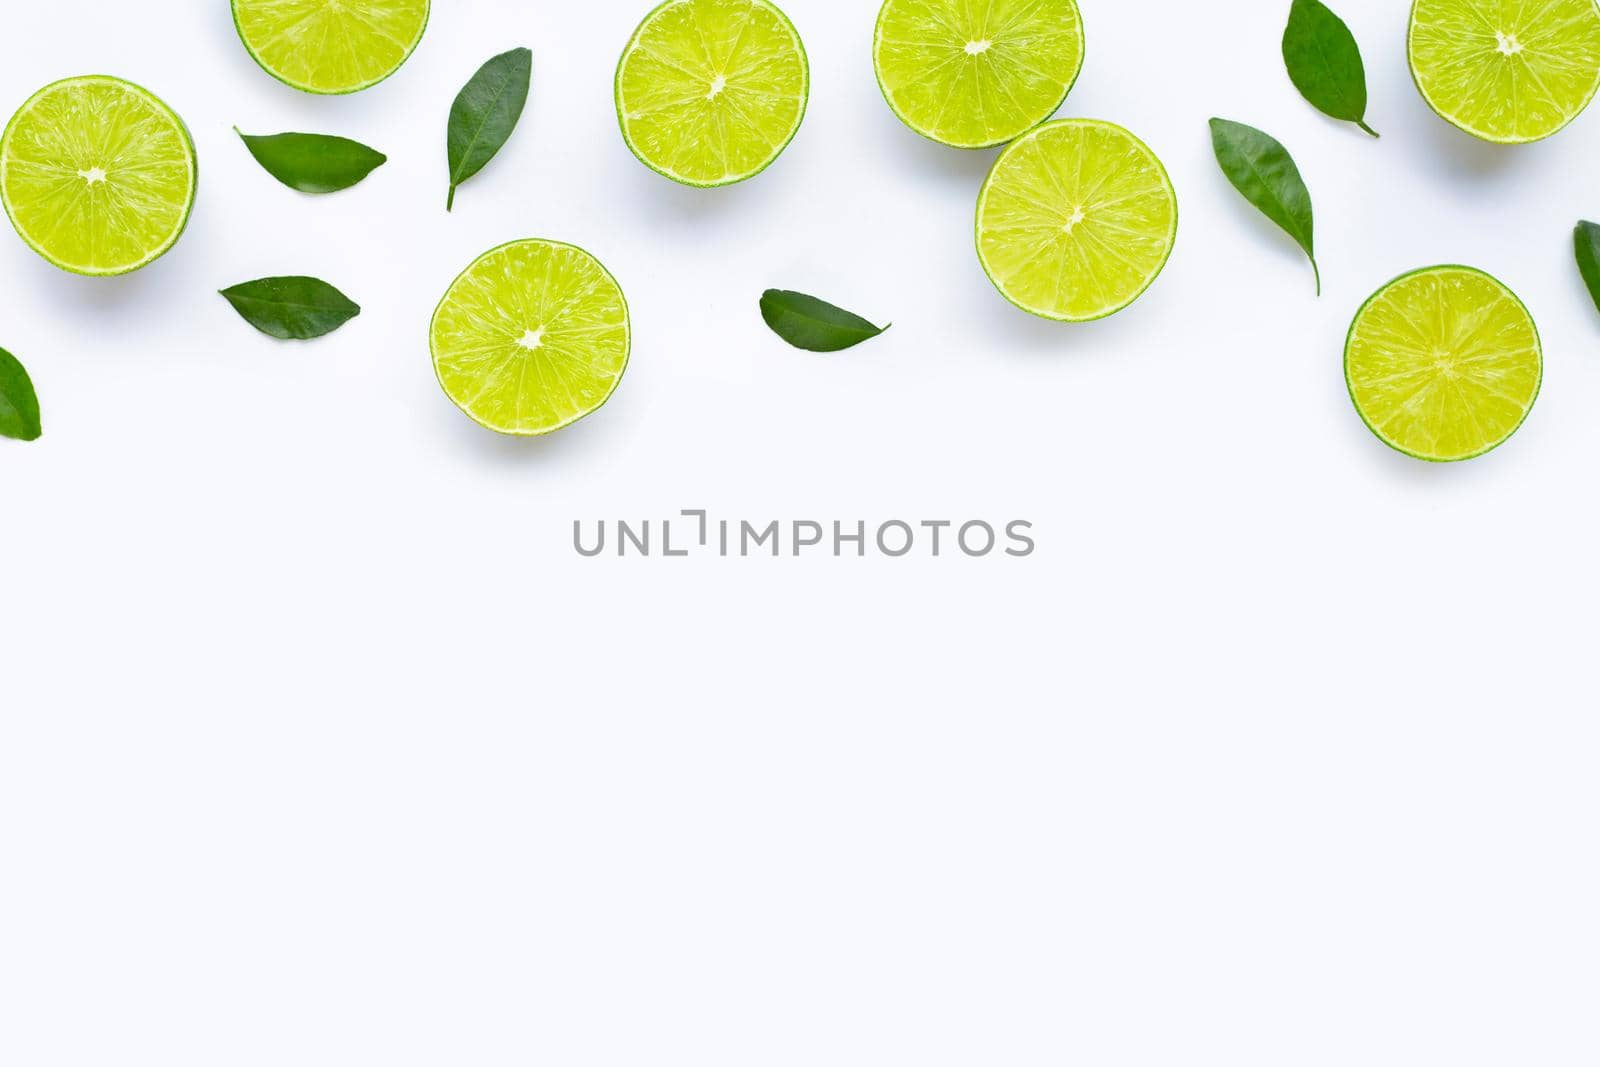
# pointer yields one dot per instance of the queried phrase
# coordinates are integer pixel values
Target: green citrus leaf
(485, 113)
(313, 162)
(812, 324)
(1264, 172)
(19, 406)
(1587, 240)
(292, 309)
(1324, 63)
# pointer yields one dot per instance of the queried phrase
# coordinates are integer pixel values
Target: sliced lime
(1444, 363)
(97, 175)
(532, 337)
(330, 46)
(976, 75)
(1508, 71)
(710, 92)
(1076, 220)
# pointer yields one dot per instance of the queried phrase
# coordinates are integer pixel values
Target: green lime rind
(1384, 289)
(627, 321)
(1172, 232)
(1483, 135)
(910, 124)
(233, 7)
(192, 191)
(627, 136)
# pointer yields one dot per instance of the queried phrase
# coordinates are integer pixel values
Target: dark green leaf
(19, 407)
(292, 309)
(1324, 63)
(313, 162)
(485, 113)
(812, 324)
(1262, 169)
(1587, 240)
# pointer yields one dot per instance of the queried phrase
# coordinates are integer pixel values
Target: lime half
(1508, 71)
(1076, 220)
(532, 337)
(710, 92)
(976, 75)
(97, 175)
(330, 46)
(1444, 364)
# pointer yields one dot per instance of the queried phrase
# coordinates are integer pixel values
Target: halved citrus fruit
(1076, 220)
(710, 92)
(1508, 71)
(331, 46)
(532, 337)
(976, 75)
(1444, 364)
(97, 175)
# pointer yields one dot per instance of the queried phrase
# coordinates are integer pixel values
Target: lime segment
(331, 46)
(710, 92)
(1076, 220)
(532, 337)
(1444, 364)
(1508, 71)
(97, 175)
(974, 75)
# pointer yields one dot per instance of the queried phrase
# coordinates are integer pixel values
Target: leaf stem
(450, 201)
(1363, 124)
(1317, 271)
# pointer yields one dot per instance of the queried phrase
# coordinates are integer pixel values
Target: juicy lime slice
(1443, 364)
(97, 175)
(532, 337)
(1508, 71)
(1076, 220)
(710, 92)
(331, 46)
(977, 75)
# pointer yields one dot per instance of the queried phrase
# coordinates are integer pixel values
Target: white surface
(318, 744)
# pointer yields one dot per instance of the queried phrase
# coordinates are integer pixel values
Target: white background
(320, 746)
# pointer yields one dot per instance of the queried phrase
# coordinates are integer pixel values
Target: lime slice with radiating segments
(1508, 71)
(1076, 220)
(97, 175)
(532, 337)
(710, 92)
(1444, 364)
(974, 75)
(331, 46)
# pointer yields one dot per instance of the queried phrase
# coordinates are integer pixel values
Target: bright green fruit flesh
(331, 46)
(97, 175)
(977, 73)
(532, 337)
(1444, 364)
(710, 92)
(1508, 71)
(1076, 220)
